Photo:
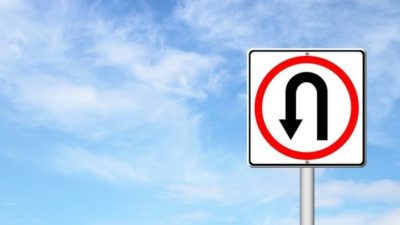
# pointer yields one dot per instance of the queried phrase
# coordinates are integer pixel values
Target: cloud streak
(106, 167)
(83, 76)
(131, 97)
(372, 25)
(337, 192)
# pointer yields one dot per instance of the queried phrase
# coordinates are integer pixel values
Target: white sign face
(306, 107)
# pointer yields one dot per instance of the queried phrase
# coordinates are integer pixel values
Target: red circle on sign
(300, 154)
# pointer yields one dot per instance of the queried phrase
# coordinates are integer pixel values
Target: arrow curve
(291, 123)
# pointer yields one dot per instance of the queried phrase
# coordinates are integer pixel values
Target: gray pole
(307, 196)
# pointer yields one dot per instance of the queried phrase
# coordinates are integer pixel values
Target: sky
(134, 112)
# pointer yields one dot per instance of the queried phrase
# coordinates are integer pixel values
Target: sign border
(362, 109)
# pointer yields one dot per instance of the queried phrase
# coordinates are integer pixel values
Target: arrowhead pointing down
(290, 126)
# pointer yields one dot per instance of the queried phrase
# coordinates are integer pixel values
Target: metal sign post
(307, 196)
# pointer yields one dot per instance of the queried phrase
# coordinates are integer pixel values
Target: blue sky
(134, 112)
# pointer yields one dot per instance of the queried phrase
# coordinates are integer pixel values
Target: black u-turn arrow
(290, 124)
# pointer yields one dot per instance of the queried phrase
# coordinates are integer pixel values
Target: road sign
(306, 107)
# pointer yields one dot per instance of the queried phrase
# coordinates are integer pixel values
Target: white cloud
(279, 221)
(209, 19)
(184, 174)
(195, 192)
(372, 25)
(98, 76)
(52, 79)
(241, 24)
(356, 217)
(183, 73)
(84, 109)
(195, 216)
(389, 217)
(112, 82)
(237, 185)
(60, 97)
(189, 176)
(106, 167)
(9, 4)
(336, 192)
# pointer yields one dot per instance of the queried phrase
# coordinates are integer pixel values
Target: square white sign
(306, 107)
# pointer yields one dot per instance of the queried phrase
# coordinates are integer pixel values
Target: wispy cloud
(279, 23)
(200, 182)
(119, 98)
(183, 73)
(390, 217)
(336, 193)
(100, 165)
(195, 216)
(98, 70)
(197, 182)
(371, 25)
(194, 192)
